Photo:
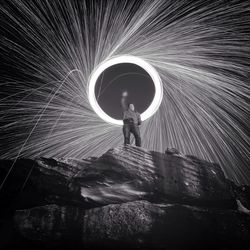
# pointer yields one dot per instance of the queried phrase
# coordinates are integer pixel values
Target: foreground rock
(49, 224)
(128, 196)
(135, 224)
(141, 223)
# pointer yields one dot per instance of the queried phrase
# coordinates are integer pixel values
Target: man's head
(131, 106)
(125, 93)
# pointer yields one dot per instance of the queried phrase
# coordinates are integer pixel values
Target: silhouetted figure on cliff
(131, 121)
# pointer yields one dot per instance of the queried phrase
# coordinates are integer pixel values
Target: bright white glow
(125, 59)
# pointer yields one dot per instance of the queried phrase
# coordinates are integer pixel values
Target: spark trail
(201, 50)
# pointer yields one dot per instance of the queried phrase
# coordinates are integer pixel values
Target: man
(131, 121)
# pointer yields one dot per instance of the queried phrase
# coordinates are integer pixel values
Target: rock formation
(128, 197)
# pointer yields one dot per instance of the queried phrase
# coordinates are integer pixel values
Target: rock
(51, 223)
(241, 194)
(138, 224)
(128, 197)
(50, 181)
(241, 208)
(130, 223)
(144, 224)
(132, 173)
(172, 151)
(120, 175)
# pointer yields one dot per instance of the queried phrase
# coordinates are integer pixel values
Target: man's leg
(136, 133)
(126, 133)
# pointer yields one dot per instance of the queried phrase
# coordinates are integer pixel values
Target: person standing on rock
(131, 121)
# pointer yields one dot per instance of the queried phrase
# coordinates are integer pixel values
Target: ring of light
(125, 59)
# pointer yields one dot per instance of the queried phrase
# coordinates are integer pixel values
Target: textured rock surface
(50, 181)
(123, 174)
(51, 222)
(131, 173)
(114, 200)
(241, 193)
(141, 223)
(135, 224)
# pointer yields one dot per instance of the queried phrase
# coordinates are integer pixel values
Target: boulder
(51, 223)
(139, 224)
(41, 181)
(122, 174)
(133, 173)
(241, 194)
(128, 197)
(147, 225)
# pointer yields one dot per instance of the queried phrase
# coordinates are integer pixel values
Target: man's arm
(124, 100)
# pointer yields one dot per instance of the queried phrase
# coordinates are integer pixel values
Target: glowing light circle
(125, 59)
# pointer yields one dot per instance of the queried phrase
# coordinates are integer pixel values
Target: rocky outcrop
(135, 224)
(128, 196)
(142, 223)
(50, 224)
(241, 194)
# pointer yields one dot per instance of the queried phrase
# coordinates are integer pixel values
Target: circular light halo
(125, 59)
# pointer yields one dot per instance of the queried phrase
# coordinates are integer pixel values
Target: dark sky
(124, 76)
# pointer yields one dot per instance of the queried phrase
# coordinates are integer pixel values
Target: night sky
(120, 77)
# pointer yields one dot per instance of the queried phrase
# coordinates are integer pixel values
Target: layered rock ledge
(128, 197)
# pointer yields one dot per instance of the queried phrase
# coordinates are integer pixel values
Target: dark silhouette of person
(131, 121)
